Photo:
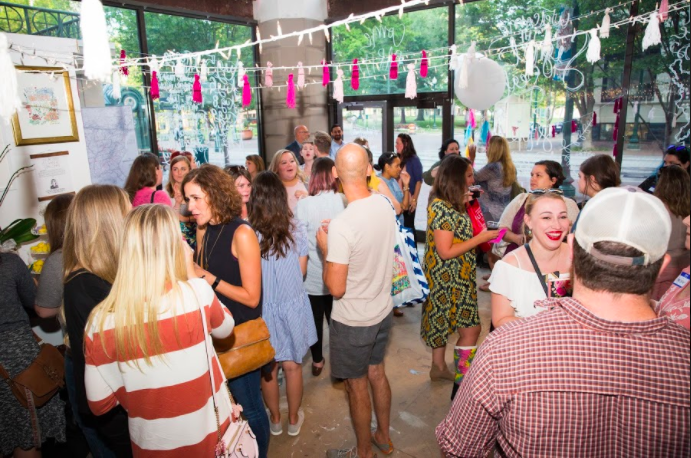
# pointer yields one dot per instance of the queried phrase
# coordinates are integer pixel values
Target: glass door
(365, 120)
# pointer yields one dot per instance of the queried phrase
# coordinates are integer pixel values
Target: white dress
(520, 287)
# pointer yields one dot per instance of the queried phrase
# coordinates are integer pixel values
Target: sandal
(316, 370)
(386, 449)
(397, 312)
(486, 277)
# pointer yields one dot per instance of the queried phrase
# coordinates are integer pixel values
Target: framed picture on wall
(47, 111)
(52, 174)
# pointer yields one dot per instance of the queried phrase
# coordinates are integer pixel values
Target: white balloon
(486, 84)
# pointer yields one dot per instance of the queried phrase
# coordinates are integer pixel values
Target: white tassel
(241, 73)
(204, 72)
(338, 86)
(468, 59)
(604, 28)
(9, 90)
(410, 83)
(97, 59)
(117, 93)
(179, 69)
(593, 53)
(530, 59)
(453, 61)
(154, 66)
(652, 35)
(547, 42)
(301, 76)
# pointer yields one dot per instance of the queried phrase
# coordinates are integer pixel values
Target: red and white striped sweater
(169, 403)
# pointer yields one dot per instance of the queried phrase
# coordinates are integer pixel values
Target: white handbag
(238, 441)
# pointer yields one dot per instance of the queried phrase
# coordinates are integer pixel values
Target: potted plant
(246, 132)
(20, 230)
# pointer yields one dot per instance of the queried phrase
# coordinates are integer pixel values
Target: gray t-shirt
(49, 294)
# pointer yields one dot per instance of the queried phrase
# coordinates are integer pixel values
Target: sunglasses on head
(676, 148)
(540, 192)
(235, 168)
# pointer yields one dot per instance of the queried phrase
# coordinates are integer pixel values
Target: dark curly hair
(221, 195)
(445, 146)
(142, 174)
(269, 214)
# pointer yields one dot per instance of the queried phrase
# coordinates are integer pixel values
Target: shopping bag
(409, 285)
(478, 221)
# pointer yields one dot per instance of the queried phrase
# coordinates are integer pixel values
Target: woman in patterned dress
(450, 270)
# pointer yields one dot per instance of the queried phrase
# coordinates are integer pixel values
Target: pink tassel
(326, 76)
(615, 131)
(196, 90)
(594, 119)
(471, 119)
(663, 12)
(123, 68)
(246, 91)
(290, 93)
(155, 93)
(355, 76)
(574, 126)
(393, 70)
(424, 64)
(554, 131)
(614, 150)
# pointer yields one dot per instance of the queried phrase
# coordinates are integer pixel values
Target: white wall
(22, 201)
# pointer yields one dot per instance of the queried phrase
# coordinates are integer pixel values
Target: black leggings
(409, 220)
(321, 307)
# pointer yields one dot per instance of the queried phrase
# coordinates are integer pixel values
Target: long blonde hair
(273, 166)
(498, 151)
(95, 220)
(152, 261)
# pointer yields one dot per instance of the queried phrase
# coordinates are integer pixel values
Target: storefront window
(373, 43)
(218, 130)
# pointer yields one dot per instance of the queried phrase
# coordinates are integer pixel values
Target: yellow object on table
(36, 267)
(41, 248)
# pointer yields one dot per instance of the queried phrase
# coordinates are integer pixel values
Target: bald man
(302, 133)
(358, 247)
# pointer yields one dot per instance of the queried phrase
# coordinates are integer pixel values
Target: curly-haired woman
(228, 258)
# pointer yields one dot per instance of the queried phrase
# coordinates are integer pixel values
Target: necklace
(203, 256)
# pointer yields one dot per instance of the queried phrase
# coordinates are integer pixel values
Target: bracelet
(406, 189)
(214, 285)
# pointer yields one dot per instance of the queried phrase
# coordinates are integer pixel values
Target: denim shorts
(354, 348)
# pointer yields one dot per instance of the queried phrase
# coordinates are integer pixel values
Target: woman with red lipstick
(523, 276)
(286, 166)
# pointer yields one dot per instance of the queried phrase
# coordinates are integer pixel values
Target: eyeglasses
(540, 192)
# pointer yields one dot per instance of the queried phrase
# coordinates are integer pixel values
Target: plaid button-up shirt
(566, 383)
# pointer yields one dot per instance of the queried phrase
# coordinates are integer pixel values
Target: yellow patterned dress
(452, 300)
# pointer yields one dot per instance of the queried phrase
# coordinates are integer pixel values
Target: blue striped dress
(287, 310)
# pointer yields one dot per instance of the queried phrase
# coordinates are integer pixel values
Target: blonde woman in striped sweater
(144, 344)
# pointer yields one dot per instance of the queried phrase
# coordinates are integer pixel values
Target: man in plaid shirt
(595, 375)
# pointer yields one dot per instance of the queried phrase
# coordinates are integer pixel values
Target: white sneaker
(276, 428)
(294, 430)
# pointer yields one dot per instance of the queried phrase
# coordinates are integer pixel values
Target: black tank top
(219, 260)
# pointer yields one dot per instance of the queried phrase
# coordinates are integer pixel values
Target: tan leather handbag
(246, 349)
(38, 383)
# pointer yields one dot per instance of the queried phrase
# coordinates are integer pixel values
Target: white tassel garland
(652, 35)
(453, 61)
(468, 59)
(410, 83)
(9, 90)
(117, 93)
(241, 73)
(301, 76)
(338, 86)
(547, 42)
(97, 59)
(604, 28)
(204, 72)
(530, 59)
(593, 53)
(179, 69)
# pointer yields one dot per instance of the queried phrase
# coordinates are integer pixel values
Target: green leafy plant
(20, 230)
